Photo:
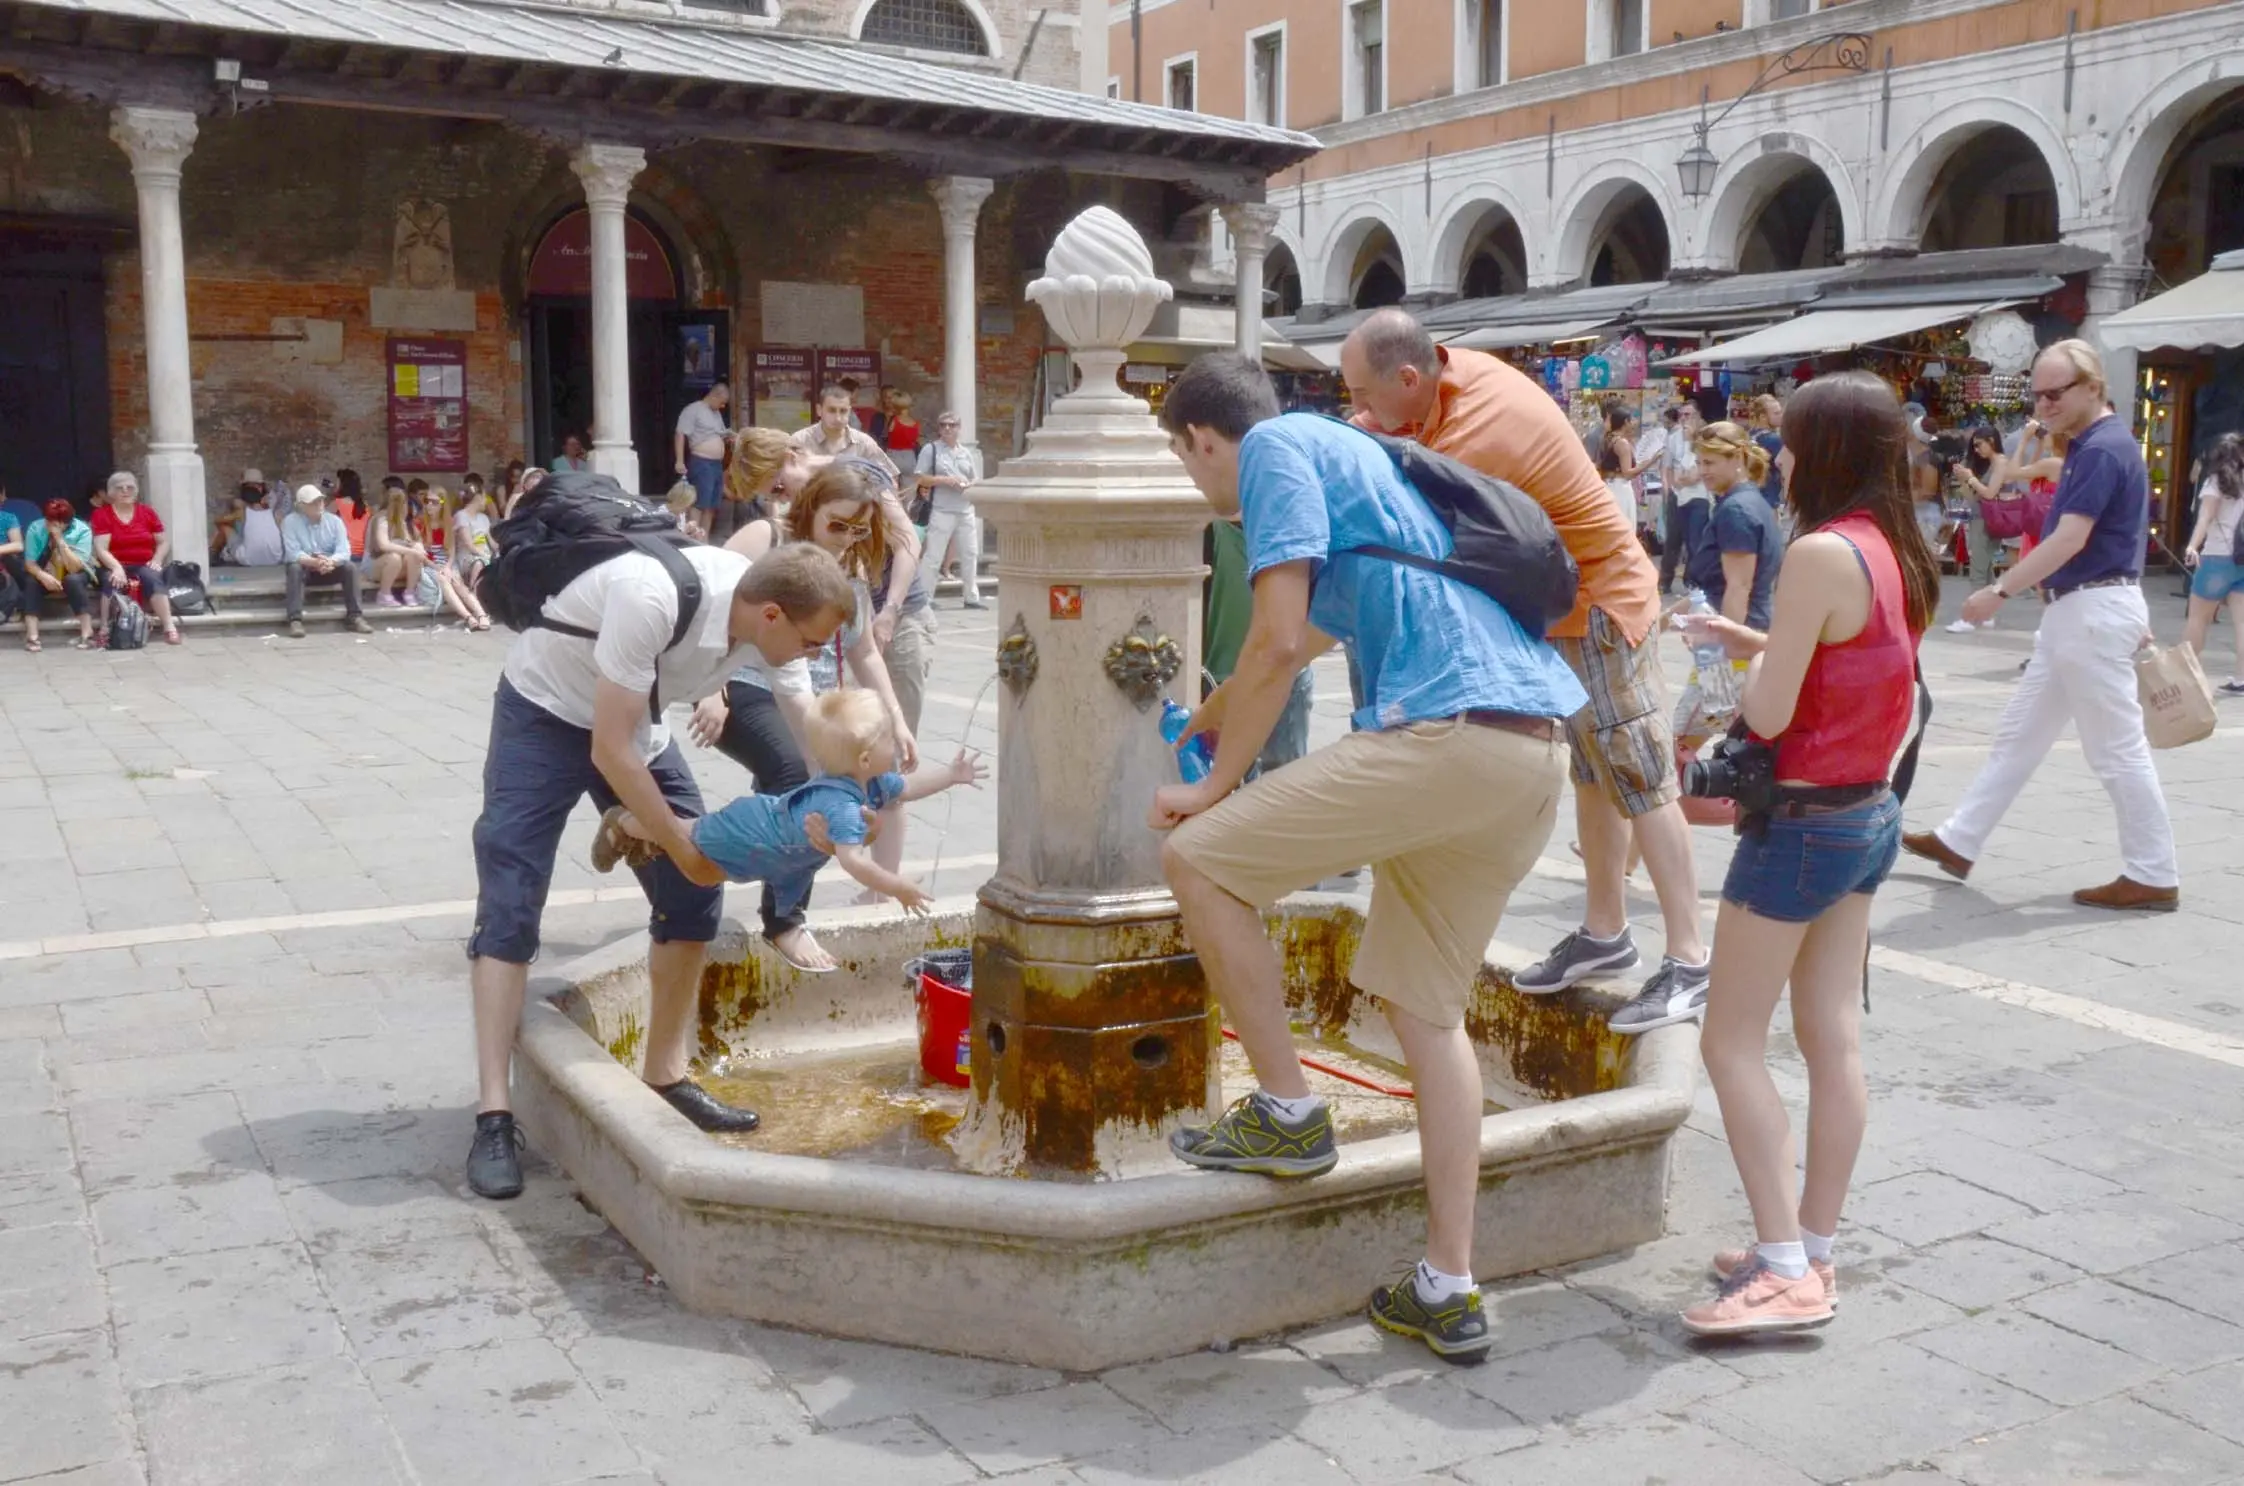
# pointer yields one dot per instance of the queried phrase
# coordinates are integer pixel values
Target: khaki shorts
(1621, 741)
(1450, 816)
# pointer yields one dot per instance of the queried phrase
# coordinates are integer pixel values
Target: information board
(428, 406)
(780, 387)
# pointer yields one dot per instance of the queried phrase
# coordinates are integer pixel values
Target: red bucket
(945, 1015)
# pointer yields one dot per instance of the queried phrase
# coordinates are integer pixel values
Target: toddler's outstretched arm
(858, 863)
(967, 769)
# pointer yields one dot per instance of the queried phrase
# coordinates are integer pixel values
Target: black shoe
(494, 1167)
(706, 1110)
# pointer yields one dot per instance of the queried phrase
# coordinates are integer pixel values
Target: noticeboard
(428, 406)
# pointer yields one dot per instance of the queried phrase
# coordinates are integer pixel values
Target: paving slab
(1671, 1452)
(49, 1282)
(64, 1404)
(2117, 1234)
(2207, 1399)
(2042, 1359)
(191, 1316)
(1207, 1389)
(515, 1410)
(231, 1212)
(1975, 1273)
(2118, 1440)
(2135, 1321)
(1018, 1431)
(1428, 1425)
(1256, 1451)
(316, 1422)
(899, 1450)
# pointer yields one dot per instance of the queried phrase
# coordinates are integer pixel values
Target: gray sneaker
(1577, 958)
(1675, 993)
(1253, 1136)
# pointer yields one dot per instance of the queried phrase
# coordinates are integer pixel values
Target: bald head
(1392, 370)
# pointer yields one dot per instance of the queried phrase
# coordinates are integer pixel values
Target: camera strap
(1904, 775)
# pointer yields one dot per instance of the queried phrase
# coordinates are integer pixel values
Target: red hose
(1392, 1091)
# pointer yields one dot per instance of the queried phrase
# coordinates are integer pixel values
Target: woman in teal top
(58, 556)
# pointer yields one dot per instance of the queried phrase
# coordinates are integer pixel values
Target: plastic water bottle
(1193, 759)
(1717, 681)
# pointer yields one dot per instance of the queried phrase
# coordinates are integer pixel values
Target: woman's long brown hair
(1850, 452)
(843, 484)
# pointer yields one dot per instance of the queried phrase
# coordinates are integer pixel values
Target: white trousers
(942, 526)
(2082, 671)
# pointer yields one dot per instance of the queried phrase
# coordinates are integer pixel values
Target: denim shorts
(535, 771)
(2217, 578)
(1801, 866)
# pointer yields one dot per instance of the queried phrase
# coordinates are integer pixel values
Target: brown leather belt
(2052, 595)
(1543, 728)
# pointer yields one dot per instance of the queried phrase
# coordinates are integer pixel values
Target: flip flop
(33, 646)
(798, 964)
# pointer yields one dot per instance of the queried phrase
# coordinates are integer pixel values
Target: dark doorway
(54, 367)
(561, 346)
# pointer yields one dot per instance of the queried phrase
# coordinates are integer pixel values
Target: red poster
(841, 368)
(428, 406)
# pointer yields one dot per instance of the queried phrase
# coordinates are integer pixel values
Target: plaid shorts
(1621, 741)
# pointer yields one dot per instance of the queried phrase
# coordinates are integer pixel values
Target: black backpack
(570, 524)
(1503, 542)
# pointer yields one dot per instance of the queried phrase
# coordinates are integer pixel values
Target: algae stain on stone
(625, 1048)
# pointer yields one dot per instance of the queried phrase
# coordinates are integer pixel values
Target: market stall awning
(2206, 311)
(1506, 337)
(1190, 329)
(1821, 331)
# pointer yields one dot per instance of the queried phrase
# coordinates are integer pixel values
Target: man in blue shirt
(2089, 567)
(316, 549)
(1449, 785)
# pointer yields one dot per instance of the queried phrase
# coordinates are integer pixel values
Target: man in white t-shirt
(577, 716)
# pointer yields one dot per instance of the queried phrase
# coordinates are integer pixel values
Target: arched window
(928, 25)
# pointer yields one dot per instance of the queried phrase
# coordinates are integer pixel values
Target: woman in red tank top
(1831, 692)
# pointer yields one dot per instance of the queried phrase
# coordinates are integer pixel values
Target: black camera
(1739, 769)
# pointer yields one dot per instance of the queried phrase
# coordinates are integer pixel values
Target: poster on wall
(859, 372)
(780, 386)
(428, 406)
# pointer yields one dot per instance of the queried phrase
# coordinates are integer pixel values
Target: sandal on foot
(613, 844)
(32, 645)
(800, 965)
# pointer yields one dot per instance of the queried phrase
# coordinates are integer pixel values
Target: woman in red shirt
(131, 545)
(1829, 695)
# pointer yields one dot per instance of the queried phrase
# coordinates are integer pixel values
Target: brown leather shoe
(2125, 892)
(1927, 844)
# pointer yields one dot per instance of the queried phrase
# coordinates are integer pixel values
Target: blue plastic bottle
(1193, 759)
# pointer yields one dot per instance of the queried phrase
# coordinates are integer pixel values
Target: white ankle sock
(1434, 1286)
(1294, 1111)
(1787, 1259)
(1818, 1245)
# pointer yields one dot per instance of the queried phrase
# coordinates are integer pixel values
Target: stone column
(607, 171)
(1252, 225)
(961, 198)
(1092, 1031)
(158, 140)
(2111, 289)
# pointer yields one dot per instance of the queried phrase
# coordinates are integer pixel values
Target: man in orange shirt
(1483, 413)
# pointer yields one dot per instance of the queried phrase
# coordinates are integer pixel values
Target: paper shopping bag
(2177, 699)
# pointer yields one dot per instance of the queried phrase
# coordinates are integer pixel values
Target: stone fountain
(1035, 1216)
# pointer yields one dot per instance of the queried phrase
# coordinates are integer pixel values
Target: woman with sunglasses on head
(759, 725)
(2089, 568)
(1828, 700)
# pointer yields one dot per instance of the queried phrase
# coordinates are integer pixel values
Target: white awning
(1819, 331)
(1506, 337)
(2206, 311)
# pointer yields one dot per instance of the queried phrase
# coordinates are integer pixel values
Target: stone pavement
(234, 1246)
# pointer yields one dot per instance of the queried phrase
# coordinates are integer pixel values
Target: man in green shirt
(1229, 600)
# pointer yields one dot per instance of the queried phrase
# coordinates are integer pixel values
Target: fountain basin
(1076, 1274)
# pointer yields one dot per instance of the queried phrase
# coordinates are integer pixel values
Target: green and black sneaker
(1253, 1136)
(1456, 1329)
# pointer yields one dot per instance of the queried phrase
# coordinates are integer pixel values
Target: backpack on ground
(128, 625)
(1502, 542)
(183, 585)
(570, 524)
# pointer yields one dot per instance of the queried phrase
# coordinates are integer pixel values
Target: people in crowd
(573, 717)
(573, 456)
(16, 592)
(347, 500)
(58, 558)
(1651, 463)
(2216, 577)
(1985, 472)
(131, 545)
(1617, 461)
(1928, 479)
(318, 550)
(698, 447)
(2089, 567)
(251, 528)
(1690, 503)
(836, 433)
(471, 532)
(1459, 694)
(441, 585)
(1480, 410)
(899, 431)
(397, 553)
(1768, 432)
(757, 719)
(1829, 697)
(752, 479)
(947, 469)
(1739, 552)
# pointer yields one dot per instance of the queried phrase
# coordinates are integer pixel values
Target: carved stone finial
(607, 171)
(1099, 292)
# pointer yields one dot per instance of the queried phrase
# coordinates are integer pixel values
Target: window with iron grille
(929, 25)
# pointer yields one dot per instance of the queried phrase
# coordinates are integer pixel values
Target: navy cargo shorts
(535, 771)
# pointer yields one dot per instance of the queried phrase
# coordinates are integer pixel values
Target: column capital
(1253, 225)
(961, 198)
(607, 171)
(157, 140)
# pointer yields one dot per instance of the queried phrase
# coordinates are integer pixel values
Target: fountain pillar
(1093, 1033)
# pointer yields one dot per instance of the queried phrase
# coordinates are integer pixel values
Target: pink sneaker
(1727, 1262)
(1755, 1298)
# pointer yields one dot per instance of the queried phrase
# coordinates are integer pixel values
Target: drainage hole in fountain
(995, 1037)
(1150, 1051)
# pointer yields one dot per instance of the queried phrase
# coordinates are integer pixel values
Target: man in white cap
(316, 549)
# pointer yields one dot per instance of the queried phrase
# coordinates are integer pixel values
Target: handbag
(2003, 519)
(2177, 699)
